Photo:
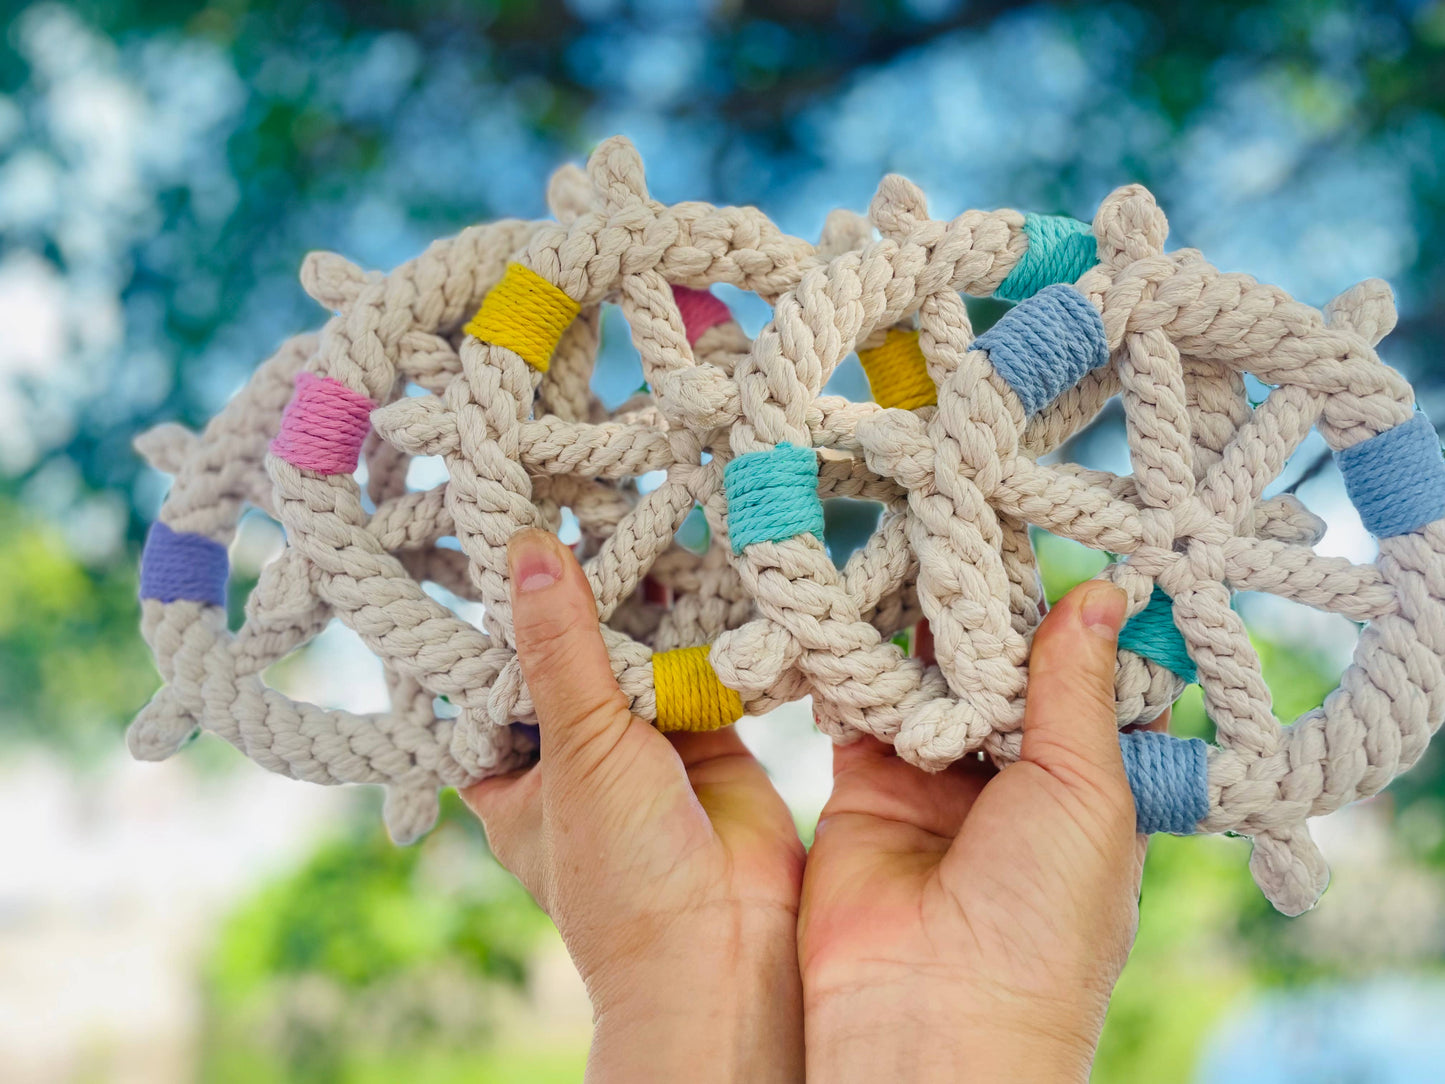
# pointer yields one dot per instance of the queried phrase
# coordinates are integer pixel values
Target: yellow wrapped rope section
(689, 694)
(526, 314)
(897, 374)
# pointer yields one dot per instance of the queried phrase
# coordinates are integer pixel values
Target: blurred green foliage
(372, 959)
(71, 665)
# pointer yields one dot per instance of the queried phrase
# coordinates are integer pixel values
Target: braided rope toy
(480, 352)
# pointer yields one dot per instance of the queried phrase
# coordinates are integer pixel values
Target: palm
(754, 854)
(872, 886)
(696, 825)
(962, 871)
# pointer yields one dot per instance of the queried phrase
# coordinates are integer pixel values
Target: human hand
(669, 863)
(972, 924)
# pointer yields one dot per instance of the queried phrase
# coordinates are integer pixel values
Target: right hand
(971, 924)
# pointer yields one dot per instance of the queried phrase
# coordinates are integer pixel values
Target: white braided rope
(960, 484)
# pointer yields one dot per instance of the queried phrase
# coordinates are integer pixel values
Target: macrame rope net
(481, 350)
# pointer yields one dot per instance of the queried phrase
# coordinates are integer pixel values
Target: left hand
(669, 864)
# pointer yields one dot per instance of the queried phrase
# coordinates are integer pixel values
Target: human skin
(971, 924)
(963, 925)
(669, 863)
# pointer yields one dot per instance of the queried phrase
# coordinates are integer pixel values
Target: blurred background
(163, 169)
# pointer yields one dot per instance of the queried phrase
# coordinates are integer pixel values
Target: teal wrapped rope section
(1396, 479)
(1043, 346)
(1169, 778)
(772, 496)
(1060, 249)
(1152, 633)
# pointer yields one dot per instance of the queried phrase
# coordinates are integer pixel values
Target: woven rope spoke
(1093, 508)
(1157, 420)
(1332, 584)
(1257, 453)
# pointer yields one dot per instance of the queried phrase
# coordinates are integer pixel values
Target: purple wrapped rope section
(179, 566)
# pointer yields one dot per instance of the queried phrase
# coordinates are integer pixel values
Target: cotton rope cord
(480, 353)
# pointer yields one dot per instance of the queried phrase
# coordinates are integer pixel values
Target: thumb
(1070, 727)
(581, 713)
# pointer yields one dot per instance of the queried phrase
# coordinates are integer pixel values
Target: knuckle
(1099, 791)
(596, 728)
(546, 640)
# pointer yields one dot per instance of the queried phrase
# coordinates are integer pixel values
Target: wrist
(921, 1031)
(722, 1003)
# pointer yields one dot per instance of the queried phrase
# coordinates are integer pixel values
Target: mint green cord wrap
(1060, 249)
(772, 495)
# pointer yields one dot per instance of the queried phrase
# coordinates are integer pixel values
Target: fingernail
(1102, 610)
(532, 558)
